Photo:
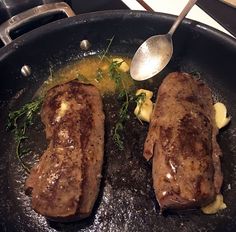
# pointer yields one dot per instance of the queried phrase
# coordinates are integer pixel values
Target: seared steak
(65, 182)
(182, 141)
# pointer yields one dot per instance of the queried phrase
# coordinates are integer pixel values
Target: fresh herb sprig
(18, 122)
(104, 54)
(99, 72)
(99, 75)
(115, 74)
(123, 115)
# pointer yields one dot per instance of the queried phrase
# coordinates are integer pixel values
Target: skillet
(126, 201)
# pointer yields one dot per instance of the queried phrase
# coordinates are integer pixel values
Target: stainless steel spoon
(155, 53)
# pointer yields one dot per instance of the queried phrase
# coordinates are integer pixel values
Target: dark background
(222, 13)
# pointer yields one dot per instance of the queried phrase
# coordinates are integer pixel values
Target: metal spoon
(155, 53)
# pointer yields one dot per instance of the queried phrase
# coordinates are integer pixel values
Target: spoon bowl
(148, 56)
(155, 53)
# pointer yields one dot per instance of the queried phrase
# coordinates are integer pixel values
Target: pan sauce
(87, 70)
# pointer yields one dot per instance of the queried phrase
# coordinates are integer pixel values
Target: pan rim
(104, 15)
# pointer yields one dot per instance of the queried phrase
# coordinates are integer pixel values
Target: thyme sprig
(115, 74)
(99, 72)
(123, 115)
(99, 75)
(18, 122)
(107, 48)
(140, 99)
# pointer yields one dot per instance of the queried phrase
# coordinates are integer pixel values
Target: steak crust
(65, 182)
(181, 139)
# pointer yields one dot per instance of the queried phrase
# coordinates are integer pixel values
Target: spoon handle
(184, 12)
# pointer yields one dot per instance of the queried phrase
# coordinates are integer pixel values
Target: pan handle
(32, 14)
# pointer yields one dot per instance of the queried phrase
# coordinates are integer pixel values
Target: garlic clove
(144, 111)
(221, 115)
(215, 206)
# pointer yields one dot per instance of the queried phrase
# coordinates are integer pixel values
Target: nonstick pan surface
(126, 201)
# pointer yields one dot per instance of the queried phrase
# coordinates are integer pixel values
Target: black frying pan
(126, 201)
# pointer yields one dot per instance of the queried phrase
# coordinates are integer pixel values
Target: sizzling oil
(90, 70)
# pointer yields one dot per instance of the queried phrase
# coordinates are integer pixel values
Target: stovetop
(222, 13)
(9, 8)
(84, 6)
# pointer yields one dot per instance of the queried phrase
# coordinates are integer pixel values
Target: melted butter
(62, 110)
(86, 70)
